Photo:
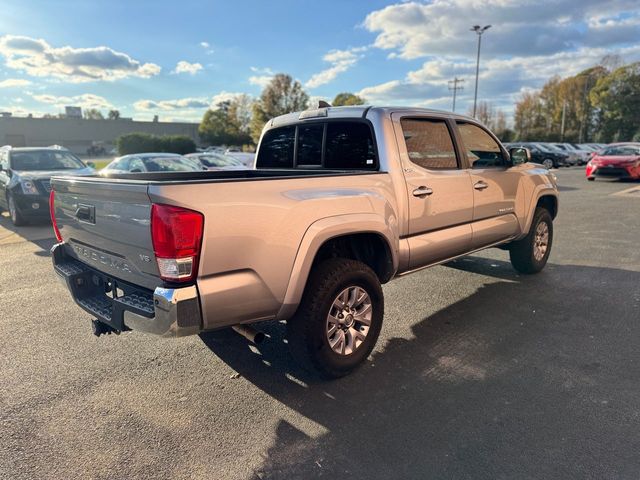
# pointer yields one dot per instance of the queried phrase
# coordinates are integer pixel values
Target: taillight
(52, 212)
(176, 234)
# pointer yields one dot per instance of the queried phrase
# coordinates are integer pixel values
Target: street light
(479, 30)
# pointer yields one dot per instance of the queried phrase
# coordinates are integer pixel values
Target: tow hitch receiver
(100, 328)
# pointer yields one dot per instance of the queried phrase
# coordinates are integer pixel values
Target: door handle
(480, 185)
(422, 192)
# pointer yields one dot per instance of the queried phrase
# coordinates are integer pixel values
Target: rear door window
(349, 145)
(429, 143)
(276, 148)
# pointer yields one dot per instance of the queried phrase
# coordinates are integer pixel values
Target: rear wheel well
(369, 248)
(550, 203)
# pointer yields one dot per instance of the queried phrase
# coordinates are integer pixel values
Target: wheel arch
(364, 237)
(544, 197)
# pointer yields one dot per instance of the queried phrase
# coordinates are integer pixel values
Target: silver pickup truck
(341, 201)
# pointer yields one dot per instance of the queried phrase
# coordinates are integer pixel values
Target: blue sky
(175, 59)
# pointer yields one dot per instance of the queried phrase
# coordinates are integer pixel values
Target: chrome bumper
(167, 312)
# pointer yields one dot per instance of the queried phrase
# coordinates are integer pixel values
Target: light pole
(479, 30)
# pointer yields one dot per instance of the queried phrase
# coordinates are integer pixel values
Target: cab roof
(357, 111)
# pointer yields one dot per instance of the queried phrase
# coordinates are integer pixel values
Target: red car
(618, 160)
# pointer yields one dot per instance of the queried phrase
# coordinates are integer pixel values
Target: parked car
(152, 162)
(246, 158)
(618, 160)
(343, 200)
(582, 154)
(545, 155)
(572, 156)
(217, 161)
(25, 175)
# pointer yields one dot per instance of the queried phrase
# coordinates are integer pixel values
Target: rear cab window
(332, 144)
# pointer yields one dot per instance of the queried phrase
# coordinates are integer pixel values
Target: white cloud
(37, 58)
(523, 28)
(223, 97)
(172, 105)
(14, 82)
(340, 60)
(204, 44)
(186, 67)
(501, 80)
(184, 104)
(86, 100)
(262, 76)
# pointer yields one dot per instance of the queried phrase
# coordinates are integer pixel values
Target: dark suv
(24, 179)
(545, 155)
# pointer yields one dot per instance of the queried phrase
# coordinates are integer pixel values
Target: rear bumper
(164, 311)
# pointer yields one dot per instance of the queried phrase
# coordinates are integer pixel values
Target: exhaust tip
(250, 333)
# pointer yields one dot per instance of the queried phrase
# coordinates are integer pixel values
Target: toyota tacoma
(340, 201)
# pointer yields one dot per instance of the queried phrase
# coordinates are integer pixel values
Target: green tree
(617, 98)
(282, 95)
(113, 115)
(347, 98)
(228, 123)
(93, 114)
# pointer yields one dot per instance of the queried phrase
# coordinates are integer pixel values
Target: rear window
(310, 144)
(340, 145)
(276, 148)
(349, 145)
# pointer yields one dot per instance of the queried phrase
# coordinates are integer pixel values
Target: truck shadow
(516, 380)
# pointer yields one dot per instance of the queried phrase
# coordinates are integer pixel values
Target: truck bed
(227, 176)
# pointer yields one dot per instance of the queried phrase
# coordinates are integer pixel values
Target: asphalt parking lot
(479, 373)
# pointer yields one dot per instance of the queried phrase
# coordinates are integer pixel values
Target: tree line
(600, 104)
(239, 121)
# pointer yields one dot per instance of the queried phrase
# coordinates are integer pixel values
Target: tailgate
(106, 224)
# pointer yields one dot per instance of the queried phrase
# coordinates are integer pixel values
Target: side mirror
(519, 155)
(91, 164)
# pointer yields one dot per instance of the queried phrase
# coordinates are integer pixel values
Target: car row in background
(25, 173)
(555, 155)
(615, 161)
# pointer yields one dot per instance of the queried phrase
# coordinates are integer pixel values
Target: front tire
(339, 318)
(530, 254)
(16, 217)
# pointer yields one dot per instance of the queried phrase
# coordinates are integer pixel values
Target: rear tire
(530, 254)
(548, 163)
(333, 332)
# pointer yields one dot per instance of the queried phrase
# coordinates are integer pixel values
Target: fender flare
(320, 232)
(540, 191)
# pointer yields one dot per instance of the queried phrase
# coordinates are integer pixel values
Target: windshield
(219, 161)
(45, 160)
(620, 151)
(171, 164)
(544, 148)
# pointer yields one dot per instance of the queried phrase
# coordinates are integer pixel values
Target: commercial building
(78, 134)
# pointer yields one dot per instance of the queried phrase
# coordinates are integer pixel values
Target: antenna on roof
(323, 104)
